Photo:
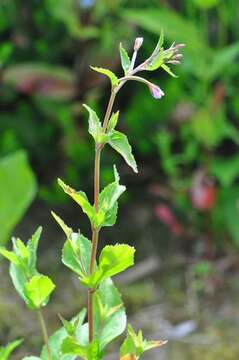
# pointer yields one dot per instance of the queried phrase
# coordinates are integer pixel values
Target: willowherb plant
(105, 313)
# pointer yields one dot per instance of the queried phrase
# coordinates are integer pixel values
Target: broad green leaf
(113, 78)
(81, 199)
(120, 143)
(70, 345)
(6, 351)
(16, 194)
(110, 318)
(134, 345)
(125, 60)
(113, 121)
(157, 57)
(67, 230)
(113, 260)
(38, 290)
(76, 254)
(95, 128)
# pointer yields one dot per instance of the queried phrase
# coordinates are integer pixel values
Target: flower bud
(138, 43)
(156, 91)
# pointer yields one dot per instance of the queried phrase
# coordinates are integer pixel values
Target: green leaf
(226, 170)
(120, 143)
(67, 230)
(81, 199)
(168, 70)
(110, 318)
(72, 326)
(113, 121)
(16, 196)
(134, 345)
(9, 255)
(6, 351)
(113, 78)
(56, 340)
(76, 254)
(95, 128)
(108, 200)
(125, 60)
(113, 260)
(157, 57)
(32, 247)
(38, 290)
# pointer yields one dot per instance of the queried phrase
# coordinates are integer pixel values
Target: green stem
(44, 332)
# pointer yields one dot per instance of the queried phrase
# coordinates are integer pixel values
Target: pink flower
(138, 43)
(156, 91)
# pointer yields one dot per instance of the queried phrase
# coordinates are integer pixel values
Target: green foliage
(113, 78)
(33, 287)
(113, 260)
(6, 351)
(120, 143)
(134, 345)
(125, 60)
(15, 197)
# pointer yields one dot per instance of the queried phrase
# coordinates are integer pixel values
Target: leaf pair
(134, 345)
(33, 287)
(116, 139)
(108, 202)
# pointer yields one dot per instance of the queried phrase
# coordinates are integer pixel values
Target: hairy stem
(95, 232)
(44, 332)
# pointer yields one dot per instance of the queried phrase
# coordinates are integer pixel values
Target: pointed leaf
(67, 230)
(168, 70)
(81, 199)
(120, 143)
(32, 247)
(113, 121)
(38, 290)
(125, 60)
(95, 128)
(6, 351)
(9, 255)
(113, 78)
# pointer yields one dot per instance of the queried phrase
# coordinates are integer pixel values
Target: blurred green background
(184, 204)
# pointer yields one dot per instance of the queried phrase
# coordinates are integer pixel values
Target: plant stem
(44, 332)
(95, 232)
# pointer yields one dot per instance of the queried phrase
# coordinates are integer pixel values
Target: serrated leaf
(125, 60)
(113, 78)
(168, 70)
(120, 143)
(6, 351)
(38, 290)
(76, 254)
(67, 230)
(113, 121)
(113, 260)
(95, 128)
(81, 199)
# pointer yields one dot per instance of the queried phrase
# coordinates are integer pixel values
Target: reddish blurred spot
(166, 215)
(203, 191)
